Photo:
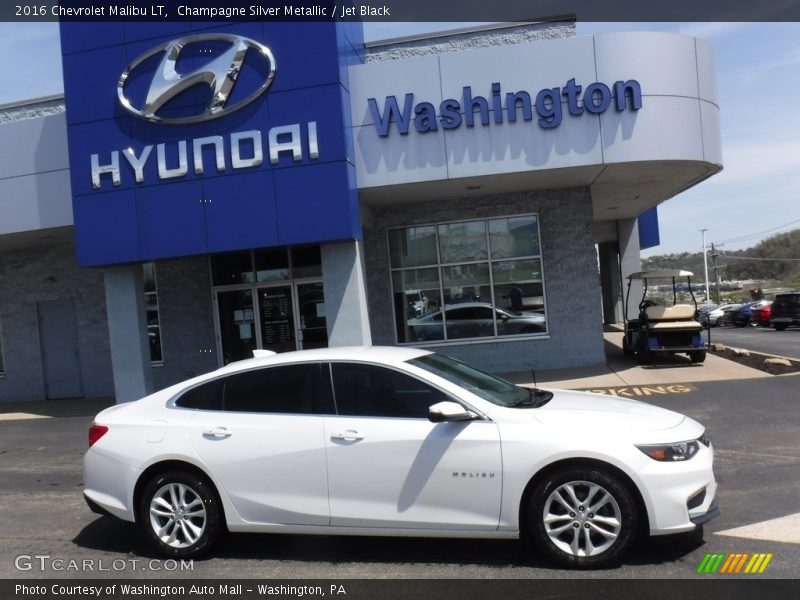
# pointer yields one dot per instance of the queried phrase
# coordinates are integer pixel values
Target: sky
(757, 193)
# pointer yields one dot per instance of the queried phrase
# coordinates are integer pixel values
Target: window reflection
(482, 278)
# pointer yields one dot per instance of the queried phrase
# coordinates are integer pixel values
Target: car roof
(374, 354)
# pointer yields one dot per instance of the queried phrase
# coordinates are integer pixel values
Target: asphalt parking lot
(760, 339)
(753, 424)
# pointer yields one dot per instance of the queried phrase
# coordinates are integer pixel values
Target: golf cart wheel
(697, 356)
(626, 348)
(645, 356)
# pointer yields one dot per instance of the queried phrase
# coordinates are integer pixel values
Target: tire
(626, 349)
(645, 356)
(780, 326)
(697, 356)
(190, 536)
(720, 322)
(603, 539)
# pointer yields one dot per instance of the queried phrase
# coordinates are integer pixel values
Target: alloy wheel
(582, 518)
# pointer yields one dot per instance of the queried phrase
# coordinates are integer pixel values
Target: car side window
(374, 391)
(288, 389)
(206, 396)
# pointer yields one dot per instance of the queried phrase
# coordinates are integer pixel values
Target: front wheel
(179, 514)
(582, 518)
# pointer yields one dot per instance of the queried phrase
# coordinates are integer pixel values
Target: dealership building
(202, 190)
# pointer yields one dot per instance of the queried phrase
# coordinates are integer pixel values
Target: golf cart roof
(663, 274)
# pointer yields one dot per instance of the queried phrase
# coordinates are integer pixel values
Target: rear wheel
(179, 514)
(697, 356)
(582, 518)
(626, 348)
(780, 326)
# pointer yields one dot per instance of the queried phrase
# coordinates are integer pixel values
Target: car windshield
(495, 390)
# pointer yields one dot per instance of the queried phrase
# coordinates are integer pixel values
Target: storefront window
(413, 246)
(480, 279)
(272, 264)
(232, 268)
(151, 313)
(306, 262)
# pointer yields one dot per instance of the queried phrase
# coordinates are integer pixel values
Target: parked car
(786, 310)
(396, 442)
(743, 316)
(761, 315)
(476, 319)
(715, 316)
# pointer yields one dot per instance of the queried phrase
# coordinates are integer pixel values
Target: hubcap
(177, 515)
(582, 518)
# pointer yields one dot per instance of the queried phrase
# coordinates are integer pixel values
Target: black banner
(399, 10)
(406, 589)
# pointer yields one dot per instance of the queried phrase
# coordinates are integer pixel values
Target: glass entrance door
(236, 325)
(278, 317)
(276, 312)
(311, 315)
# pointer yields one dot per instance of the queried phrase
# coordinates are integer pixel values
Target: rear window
(786, 300)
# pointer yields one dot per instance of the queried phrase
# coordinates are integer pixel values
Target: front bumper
(712, 513)
(671, 490)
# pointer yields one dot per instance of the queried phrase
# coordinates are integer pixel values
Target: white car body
(331, 474)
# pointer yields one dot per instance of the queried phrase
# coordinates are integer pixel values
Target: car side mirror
(450, 411)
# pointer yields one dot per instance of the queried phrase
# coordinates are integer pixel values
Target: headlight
(671, 452)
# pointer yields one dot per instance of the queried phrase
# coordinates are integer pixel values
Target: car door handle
(218, 433)
(351, 435)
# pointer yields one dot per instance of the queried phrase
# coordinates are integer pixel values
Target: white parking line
(784, 529)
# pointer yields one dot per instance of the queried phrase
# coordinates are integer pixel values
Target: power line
(755, 235)
(759, 258)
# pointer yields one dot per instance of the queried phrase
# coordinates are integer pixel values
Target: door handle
(218, 433)
(351, 435)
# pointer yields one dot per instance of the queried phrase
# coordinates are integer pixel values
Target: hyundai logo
(220, 74)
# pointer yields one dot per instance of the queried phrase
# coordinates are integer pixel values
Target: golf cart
(661, 328)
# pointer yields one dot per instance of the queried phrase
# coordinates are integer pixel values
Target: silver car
(476, 319)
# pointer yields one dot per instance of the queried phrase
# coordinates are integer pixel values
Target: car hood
(596, 411)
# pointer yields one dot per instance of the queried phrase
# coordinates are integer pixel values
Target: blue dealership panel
(157, 197)
(649, 234)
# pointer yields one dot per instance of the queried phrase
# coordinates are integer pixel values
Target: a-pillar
(345, 294)
(127, 332)
(630, 261)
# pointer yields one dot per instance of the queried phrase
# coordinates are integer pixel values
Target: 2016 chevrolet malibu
(396, 441)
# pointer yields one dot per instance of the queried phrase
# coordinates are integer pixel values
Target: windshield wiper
(536, 398)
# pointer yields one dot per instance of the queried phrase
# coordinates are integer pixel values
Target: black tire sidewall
(203, 488)
(602, 477)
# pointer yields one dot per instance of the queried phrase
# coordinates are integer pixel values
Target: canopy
(664, 274)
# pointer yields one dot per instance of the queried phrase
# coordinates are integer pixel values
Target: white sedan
(396, 441)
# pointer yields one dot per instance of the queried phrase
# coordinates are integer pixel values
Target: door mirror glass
(450, 411)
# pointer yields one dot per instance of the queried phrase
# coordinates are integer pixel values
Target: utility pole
(705, 264)
(716, 269)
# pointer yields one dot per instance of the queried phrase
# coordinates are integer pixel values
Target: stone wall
(38, 275)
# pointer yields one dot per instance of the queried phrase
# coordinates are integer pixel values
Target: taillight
(96, 432)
